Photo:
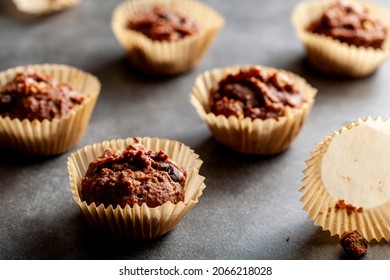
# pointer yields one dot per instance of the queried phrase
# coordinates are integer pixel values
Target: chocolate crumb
(349, 207)
(354, 244)
(288, 238)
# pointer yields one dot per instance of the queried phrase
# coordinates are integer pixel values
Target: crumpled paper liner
(166, 58)
(60, 134)
(41, 7)
(137, 222)
(249, 136)
(332, 56)
(373, 221)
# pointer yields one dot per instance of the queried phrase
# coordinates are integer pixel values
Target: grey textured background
(251, 204)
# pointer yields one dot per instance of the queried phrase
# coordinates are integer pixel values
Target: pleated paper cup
(332, 56)
(162, 57)
(351, 166)
(41, 7)
(263, 137)
(137, 222)
(59, 134)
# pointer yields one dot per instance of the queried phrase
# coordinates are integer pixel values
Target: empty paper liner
(347, 183)
(41, 7)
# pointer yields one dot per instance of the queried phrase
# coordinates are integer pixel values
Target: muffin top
(255, 93)
(351, 23)
(34, 96)
(163, 24)
(133, 176)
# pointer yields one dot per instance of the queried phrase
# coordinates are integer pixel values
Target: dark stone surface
(251, 204)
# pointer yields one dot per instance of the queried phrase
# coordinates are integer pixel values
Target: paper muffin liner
(41, 7)
(60, 134)
(249, 136)
(137, 222)
(166, 58)
(332, 56)
(358, 178)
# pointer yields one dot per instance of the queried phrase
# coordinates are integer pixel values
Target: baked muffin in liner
(346, 185)
(56, 136)
(332, 56)
(137, 222)
(41, 7)
(266, 137)
(163, 57)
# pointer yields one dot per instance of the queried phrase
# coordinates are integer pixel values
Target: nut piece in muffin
(354, 244)
(163, 24)
(133, 176)
(350, 22)
(34, 96)
(255, 93)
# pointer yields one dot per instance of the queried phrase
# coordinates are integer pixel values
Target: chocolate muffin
(34, 96)
(350, 22)
(253, 109)
(163, 24)
(254, 93)
(133, 176)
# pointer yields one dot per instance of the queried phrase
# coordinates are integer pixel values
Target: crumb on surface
(354, 244)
